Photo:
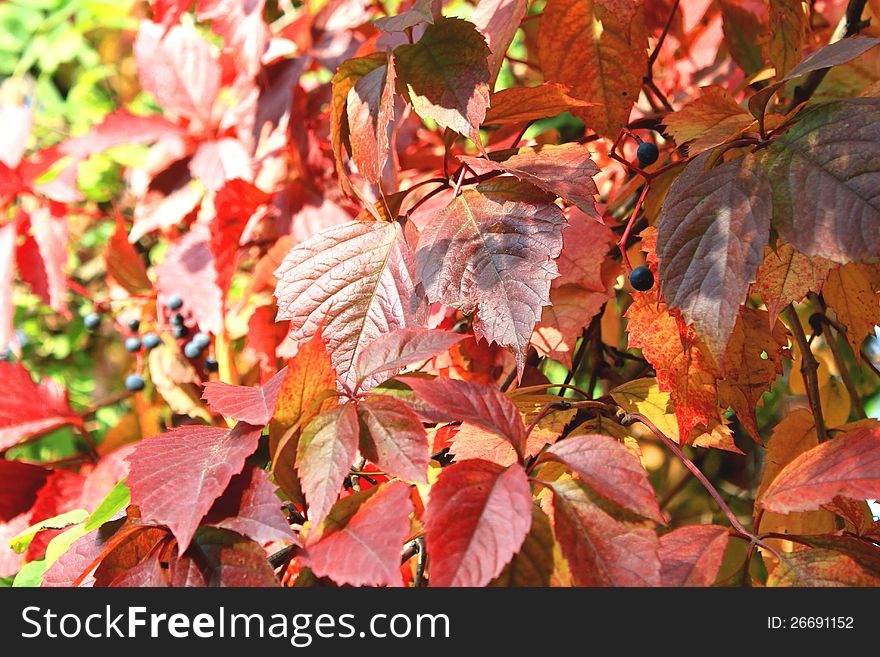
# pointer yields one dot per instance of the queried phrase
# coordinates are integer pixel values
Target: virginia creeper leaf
(786, 276)
(391, 352)
(691, 556)
(477, 518)
(356, 278)
(446, 74)
(599, 49)
(521, 104)
(611, 470)
(498, 21)
(359, 541)
(252, 404)
(325, 453)
(192, 463)
(392, 437)
(491, 252)
(710, 241)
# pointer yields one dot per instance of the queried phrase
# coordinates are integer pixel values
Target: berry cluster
(136, 343)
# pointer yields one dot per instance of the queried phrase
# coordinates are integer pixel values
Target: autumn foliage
(384, 252)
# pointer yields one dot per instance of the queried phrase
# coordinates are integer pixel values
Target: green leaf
(31, 575)
(116, 500)
(21, 542)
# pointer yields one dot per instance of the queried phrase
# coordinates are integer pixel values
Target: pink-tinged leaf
(179, 68)
(562, 322)
(234, 205)
(356, 278)
(188, 272)
(27, 408)
(254, 405)
(602, 551)
(81, 557)
(250, 507)
(241, 24)
(359, 542)
(218, 161)
(119, 128)
(19, 484)
(498, 21)
(8, 238)
(148, 573)
(610, 469)
(124, 263)
(221, 558)
(392, 437)
(839, 52)
(49, 229)
(477, 518)
(521, 104)
(422, 11)
(691, 556)
(390, 353)
(17, 121)
(62, 492)
(370, 109)
(473, 403)
(324, 455)
(824, 199)
(492, 252)
(585, 243)
(168, 206)
(848, 465)
(819, 567)
(710, 241)
(599, 49)
(446, 75)
(473, 442)
(565, 170)
(176, 476)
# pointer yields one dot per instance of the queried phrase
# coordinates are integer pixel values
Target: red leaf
(188, 272)
(176, 476)
(49, 229)
(392, 437)
(234, 205)
(585, 243)
(848, 465)
(254, 405)
(359, 542)
(491, 252)
(391, 352)
(564, 170)
(8, 237)
(455, 94)
(148, 573)
(62, 492)
(691, 556)
(370, 109)
(710, 241)
(124, 263)
(498, 21)
(787, 275)
(250, 507)
(521, 104)
(219, 557)
(27, 408)
(19, 484)
(179, 69)
(602, 551)
(485, 407)
(241, 24)
(477, 518)
(325, 453)
(118, 128)
(356, 279)
(610, 469)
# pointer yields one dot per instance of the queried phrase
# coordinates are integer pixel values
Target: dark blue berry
(176, 319)
(92, 321)
(174, 302)
(151, 341)
(201, 340)
(191, 350)
(641, 278)
(647, 153)
(134, 325)
(180, 331)
(211, 364)
(132, 344)
(134, 382)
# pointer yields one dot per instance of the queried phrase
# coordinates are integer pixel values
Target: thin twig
(809, 367)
